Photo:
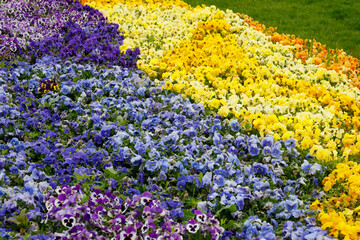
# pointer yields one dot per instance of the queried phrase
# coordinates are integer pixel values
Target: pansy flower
(151, 166)
(234, 125)
(145, 198)
(64, 180)
(253, 150)
(128, 234)
(192, 226)
(219, 180)
(68, 221)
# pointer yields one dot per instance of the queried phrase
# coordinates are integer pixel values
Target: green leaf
(84, 199)
(231, 208)
(230, 224)
(23, 213)
(80, 177)
(111, 171)
(201, 175)
(151, 38)
(15, 220)
(2, 64)
(251, 212)
(121, 176)
(188, 214)
(33, 134)
(102, 186)
(77, 176)
(21, 219)
(53, 101)
(248, 126)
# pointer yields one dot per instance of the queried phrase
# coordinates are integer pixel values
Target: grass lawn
(335, 23)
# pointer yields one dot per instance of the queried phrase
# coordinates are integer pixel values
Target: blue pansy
(240, 141)
(14, 142)
(234, 125)
(261, 186)
(98, 139)
(233, 150)
(306, 166)
(55, 117)
(234, 160)
(136, 160)
(260, 168)
(162, 176)
(14, 169)
(291, 143)
(151, 165)
(106, 131)
(275, 152)
(216, 127)
(253, 150)
(65, 90)
(266, 151)
(268, 141)
(219, 180)
(181, 185)
(206, 180)
(289, 189)
(28, 188)
(64, 180)
(315, 168)
(251, 231)
(220, 172)
(190, 133)
(291, 205)
(177, 213)
(240, 203)
(217, 139)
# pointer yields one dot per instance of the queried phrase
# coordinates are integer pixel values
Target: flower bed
(184, 123)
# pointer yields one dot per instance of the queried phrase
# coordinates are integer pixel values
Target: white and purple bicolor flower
(128, 234)
(192, 226)
(68, 221)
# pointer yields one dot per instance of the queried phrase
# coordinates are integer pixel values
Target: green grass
(335, 23)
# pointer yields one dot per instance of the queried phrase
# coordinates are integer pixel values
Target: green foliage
(334, 23)
(114, 174)
(21, 221)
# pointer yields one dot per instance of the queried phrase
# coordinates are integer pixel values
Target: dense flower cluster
(104, 216)
(89, 44)
(48, 85)
(22, 21)
(219, 135)
(340, 208)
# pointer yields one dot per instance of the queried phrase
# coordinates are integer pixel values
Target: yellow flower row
(213, 70)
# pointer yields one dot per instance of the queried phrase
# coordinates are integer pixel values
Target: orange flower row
(305, 49)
